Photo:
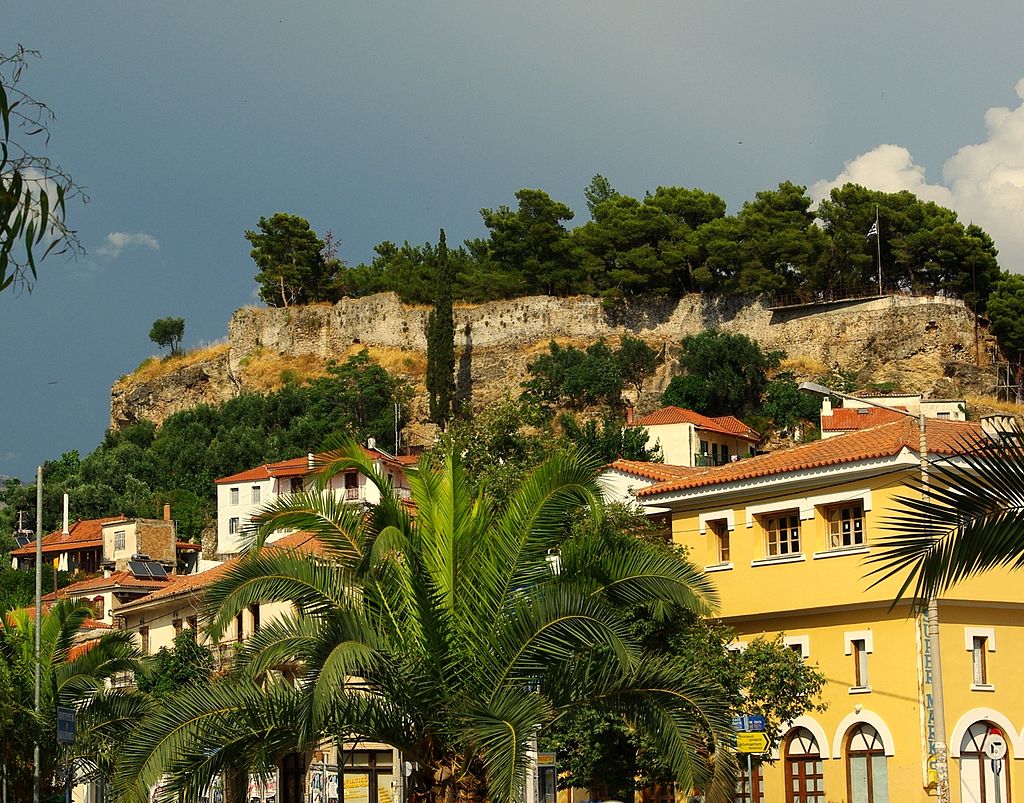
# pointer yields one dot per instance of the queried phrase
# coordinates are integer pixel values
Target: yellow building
(787, 536)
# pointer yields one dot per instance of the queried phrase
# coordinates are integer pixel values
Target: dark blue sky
(187, 121)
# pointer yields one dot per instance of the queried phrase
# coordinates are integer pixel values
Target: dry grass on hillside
(265, 372)
(984, 405)
(154, 367)
(804, 367)
(402, 362)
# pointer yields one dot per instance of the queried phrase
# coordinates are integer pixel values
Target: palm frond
(274, 576)
(501, 732)
(966, 519)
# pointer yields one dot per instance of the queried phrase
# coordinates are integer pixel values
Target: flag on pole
(873, 231)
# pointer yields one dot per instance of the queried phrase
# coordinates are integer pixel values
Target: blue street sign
(65, 725)
(749, 723)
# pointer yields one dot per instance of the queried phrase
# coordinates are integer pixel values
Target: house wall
(229, 543)
(681, 443)
(820, 596)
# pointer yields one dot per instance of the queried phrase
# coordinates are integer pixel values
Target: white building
(241, 495)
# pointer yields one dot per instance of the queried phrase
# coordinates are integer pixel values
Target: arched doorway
(805, 782)
(984, 779)
(867, 774)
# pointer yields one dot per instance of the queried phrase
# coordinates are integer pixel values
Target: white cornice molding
(810, 477)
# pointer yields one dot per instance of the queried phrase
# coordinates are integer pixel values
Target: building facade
(788, 537)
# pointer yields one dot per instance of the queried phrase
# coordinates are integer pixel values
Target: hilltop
(930, 344)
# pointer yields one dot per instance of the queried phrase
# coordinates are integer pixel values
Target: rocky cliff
(930, 345)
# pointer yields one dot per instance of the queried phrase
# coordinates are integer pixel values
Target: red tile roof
(887, 440)
(297, 467)
(724, 425)
(652, 471)
(188, 583)
(187, 546)
(115, 581)
(81, 535)
(850, 418)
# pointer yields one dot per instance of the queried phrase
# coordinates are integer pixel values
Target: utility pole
(39, 620)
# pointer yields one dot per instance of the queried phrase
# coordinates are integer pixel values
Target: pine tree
(441, 340)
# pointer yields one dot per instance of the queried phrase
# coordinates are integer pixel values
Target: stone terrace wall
(924, 344)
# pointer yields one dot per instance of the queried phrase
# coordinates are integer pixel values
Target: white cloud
(118, 241)
(983, 183)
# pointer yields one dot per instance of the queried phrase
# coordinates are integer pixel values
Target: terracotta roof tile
(81, 535)
(116, 580)
(725, 425)
(653, 471)
(887, 440)
(297, 467)
(851, 418)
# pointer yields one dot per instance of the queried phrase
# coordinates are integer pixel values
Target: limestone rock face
(923, 344)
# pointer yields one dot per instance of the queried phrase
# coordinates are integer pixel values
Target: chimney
(371, 443)
(64, 529)
(826, 406)
(167, 512)
(309, 460)
(630, 414)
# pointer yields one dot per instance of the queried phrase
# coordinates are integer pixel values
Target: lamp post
(36, 779)
(932, 611)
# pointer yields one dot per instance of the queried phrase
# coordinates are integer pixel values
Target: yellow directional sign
(752, 742)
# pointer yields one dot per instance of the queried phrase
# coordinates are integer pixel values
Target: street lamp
(938, 703)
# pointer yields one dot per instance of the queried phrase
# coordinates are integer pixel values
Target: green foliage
(678, 240)
(441, 340)
(463, 636)
(35, 190)
(295, 266)
(1006, 312)
(187, 663)
(599, 753)
(167, 333)
(785, 406)
(497, 451)
(924, 246)
(722, 374)
(574, 378)
(532, 242)
(70, 676)
(636, 360)
(608, 439)
(598, 191)
(137, 470)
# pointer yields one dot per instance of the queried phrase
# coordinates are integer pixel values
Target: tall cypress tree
(441, 340)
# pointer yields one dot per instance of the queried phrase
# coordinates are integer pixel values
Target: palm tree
(966, 518)
(75, 672)
(446, 632)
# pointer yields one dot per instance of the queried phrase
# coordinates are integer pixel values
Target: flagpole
(878, 240)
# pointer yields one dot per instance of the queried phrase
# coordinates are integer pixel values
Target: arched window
(805, 782)
(98, 608)
(866, 771)
(984, 779)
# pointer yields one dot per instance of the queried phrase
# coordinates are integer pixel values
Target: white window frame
(120, 539)
(233, 496)
(864, 637)
(255, 495)
(828, 510)
(778, 515)
(989, 635)
(803, 642)
(234, 525)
